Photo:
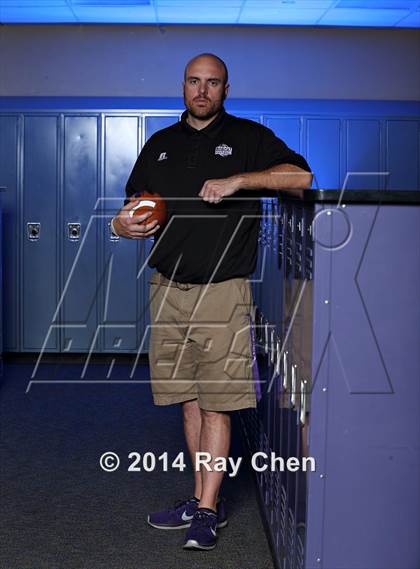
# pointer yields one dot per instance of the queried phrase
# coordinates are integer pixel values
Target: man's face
(204, 88)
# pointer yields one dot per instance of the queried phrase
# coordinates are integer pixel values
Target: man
(211, 168)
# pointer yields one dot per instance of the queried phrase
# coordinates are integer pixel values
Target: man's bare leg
(215, 440)
(192, 428)
(206, 431)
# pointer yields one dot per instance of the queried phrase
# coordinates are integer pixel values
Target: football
(151, 202)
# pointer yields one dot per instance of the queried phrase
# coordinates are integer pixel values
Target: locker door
(79, 232)
(363, 155)
(288, 129)
(40, 242)
(152, 125)
(402, 152)
(245, 115)
(324, 152)
(11, 232)
(121, 314)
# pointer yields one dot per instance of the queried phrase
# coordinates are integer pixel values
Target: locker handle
(33, 229)
(266, 338)
(285, 371)
(294, 381)
(303, 402)
(74, 231)
(278, 350)
(272, 347)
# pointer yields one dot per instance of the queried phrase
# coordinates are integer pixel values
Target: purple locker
(364, 498)
(356, 360)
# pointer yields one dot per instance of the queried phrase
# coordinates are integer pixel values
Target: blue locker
(363, 159)
(323, 151)
(1, 279)
(402, 151)
(244, 115)
(79, 232)
(152, 125)
(288, 129)
(39, 232)
(120, 312)
(26, 160)
(9, 132)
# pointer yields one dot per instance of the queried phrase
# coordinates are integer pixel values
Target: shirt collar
(211, 130)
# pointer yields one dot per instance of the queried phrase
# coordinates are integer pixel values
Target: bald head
(211, 58)
(205, 87)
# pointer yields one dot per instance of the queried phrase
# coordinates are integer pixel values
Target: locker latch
(34, 230)
(73, 231)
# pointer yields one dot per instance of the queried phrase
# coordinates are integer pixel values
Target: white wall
(264, 62)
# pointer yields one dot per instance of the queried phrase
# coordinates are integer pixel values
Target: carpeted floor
(59, 510)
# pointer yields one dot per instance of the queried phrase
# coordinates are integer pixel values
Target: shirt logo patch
(223, 150)
(162, 156)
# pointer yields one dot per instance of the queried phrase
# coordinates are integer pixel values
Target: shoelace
(203, 519)
(180, 504)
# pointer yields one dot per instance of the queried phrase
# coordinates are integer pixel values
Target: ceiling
(360, 13)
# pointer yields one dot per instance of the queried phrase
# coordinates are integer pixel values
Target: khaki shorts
(200, 343)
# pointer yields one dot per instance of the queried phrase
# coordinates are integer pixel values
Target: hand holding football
(153, 203)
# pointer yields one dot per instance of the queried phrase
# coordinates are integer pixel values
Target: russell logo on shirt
(223, 150)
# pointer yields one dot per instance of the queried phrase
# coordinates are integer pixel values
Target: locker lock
(33, 230)
(73, 231)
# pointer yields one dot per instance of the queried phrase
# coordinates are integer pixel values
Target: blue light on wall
(360, 13)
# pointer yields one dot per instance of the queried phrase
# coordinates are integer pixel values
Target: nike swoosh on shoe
(186, 518)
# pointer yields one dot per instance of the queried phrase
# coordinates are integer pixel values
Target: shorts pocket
(244, 289)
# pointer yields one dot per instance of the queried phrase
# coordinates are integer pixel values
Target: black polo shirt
(205, 241)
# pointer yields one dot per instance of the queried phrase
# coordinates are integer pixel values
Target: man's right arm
(122, 224)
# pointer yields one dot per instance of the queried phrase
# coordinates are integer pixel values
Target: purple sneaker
(202, 533)
(182, 513)
(178, 517)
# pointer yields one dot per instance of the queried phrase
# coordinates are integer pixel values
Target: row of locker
(334, 382)
(279, 425)
(69, 286)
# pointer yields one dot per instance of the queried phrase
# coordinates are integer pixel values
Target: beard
(203, 113)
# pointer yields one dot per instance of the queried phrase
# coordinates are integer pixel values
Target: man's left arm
(277, 167)
(287, 177)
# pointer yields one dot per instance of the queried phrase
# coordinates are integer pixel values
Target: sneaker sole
(184, 526)
(193, 544)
